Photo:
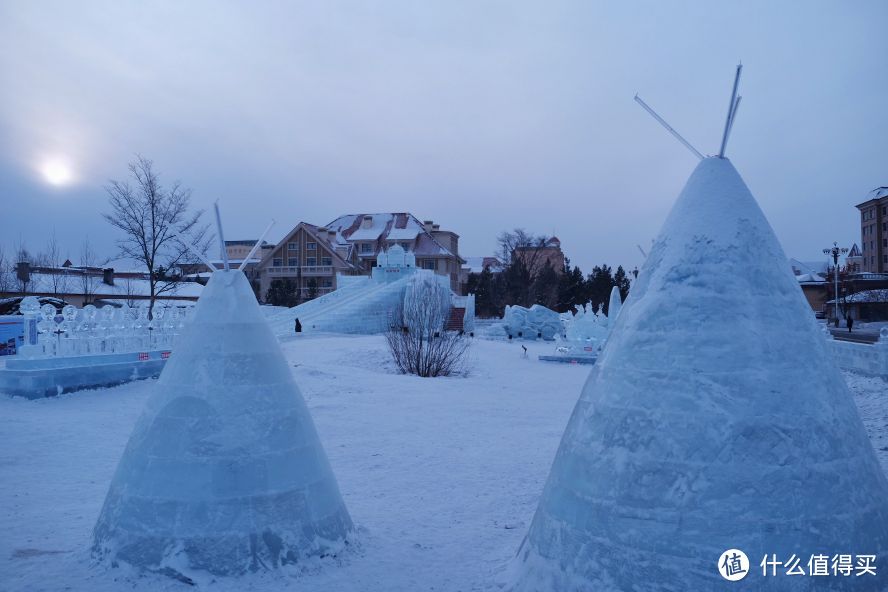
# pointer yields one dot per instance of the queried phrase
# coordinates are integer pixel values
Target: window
(327, 283)
(429, 264)
(885, 242)
(366, 247)
(277, 262)
(405, 246)
(311, 246)
(292, 261)
(326, 260)
(292, 246)
(311, 261)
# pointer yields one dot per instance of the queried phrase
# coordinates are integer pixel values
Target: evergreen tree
(571, 288)
(599, 284)
(483, 290)
(282, 292)
(517, 284)
(621, 280)
(545, 287)
(312, 289)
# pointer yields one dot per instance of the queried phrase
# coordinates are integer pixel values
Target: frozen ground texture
(714, 419)
(441, 476)
(224, 471)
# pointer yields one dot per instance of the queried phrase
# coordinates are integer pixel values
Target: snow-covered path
(441, 476)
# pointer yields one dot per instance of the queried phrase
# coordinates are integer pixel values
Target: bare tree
(23, 258)
(6, 283)
(526, 260)
(157, 225)
(510, 240)
(88, 281)
(417, 339)
(130, 291)
(58, 282)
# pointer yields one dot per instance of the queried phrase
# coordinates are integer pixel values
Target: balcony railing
(305, 270)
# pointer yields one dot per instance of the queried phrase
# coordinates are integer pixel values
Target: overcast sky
(479, 115)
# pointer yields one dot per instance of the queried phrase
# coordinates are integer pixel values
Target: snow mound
(714, 419)
(224, 471)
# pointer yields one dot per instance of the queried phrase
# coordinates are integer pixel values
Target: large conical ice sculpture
(224, 471)
(713, 420)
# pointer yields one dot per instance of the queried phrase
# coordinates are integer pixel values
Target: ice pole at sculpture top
(714, 420)
(224, 471)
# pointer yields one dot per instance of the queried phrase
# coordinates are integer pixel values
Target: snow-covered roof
(126, 301)
(809, 267)
(373, 231)
(403, 234)
(392, 226)
(865, 297)
(878, 193)
(810, 278)
(42, 283)
(245, 243)
(233, 262)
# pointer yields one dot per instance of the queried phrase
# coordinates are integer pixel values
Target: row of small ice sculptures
(585, 332)
(91, 330)
(585, 326)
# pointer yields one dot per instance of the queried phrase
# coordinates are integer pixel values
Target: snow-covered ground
(441, 476)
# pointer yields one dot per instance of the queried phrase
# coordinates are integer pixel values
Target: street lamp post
(835, 251)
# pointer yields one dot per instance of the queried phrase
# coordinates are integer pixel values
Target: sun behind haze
(57, 171)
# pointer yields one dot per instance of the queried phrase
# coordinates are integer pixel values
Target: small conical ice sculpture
(713, 420)
(224, 471)
(613, 306)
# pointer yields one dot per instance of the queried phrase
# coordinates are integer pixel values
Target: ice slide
(358, 307)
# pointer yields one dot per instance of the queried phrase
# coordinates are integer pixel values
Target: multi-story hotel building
(874, 231)
(312, 256)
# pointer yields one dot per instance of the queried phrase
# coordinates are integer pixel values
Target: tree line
(527, 277)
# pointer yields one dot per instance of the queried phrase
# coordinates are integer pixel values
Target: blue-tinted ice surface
(224, 471)
(714, 419)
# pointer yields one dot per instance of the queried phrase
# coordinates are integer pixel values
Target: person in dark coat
(850, 322)
(298, 326)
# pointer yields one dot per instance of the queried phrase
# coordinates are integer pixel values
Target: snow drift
(224, 471)
(714, 419)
